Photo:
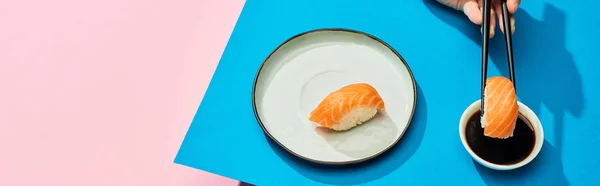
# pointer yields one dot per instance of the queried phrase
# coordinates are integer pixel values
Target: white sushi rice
(354, 118)
(483, 120)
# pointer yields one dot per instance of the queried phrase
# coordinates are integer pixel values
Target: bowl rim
(526, 112)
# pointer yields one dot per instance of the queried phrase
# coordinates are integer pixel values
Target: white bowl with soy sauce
(502, 154)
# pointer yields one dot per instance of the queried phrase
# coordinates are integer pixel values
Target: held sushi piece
(501, 109)
(348, 107)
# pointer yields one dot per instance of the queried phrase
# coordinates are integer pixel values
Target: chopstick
(487, 6)
(508, 39)
(484, 56)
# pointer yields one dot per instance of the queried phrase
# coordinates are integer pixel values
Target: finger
(492, 19)
(500, 14)
(513, 5)
(473, 12)
(497, 5)
(492, 22)
(512, 24)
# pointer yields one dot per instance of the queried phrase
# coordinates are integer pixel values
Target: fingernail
(512, 26)
(491, 32)
(512, 30)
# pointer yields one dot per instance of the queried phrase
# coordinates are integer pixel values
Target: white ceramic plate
(304, 69)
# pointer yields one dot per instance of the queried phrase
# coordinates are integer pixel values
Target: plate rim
(260, 123)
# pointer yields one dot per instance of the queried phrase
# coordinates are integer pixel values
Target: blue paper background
(557, 74)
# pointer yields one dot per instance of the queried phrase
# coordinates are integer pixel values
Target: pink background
(101, 92)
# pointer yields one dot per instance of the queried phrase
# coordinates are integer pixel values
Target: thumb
(456, 4)
(473, 12)
(469, 7)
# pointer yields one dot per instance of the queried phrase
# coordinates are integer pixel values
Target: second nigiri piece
(501, 109)
(348, 107)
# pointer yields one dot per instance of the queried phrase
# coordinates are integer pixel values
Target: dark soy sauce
(507, 151)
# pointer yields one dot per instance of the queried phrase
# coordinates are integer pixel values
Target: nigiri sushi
(500, 109)
(348, 107)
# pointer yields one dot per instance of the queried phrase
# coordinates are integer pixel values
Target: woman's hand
(472, 8)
